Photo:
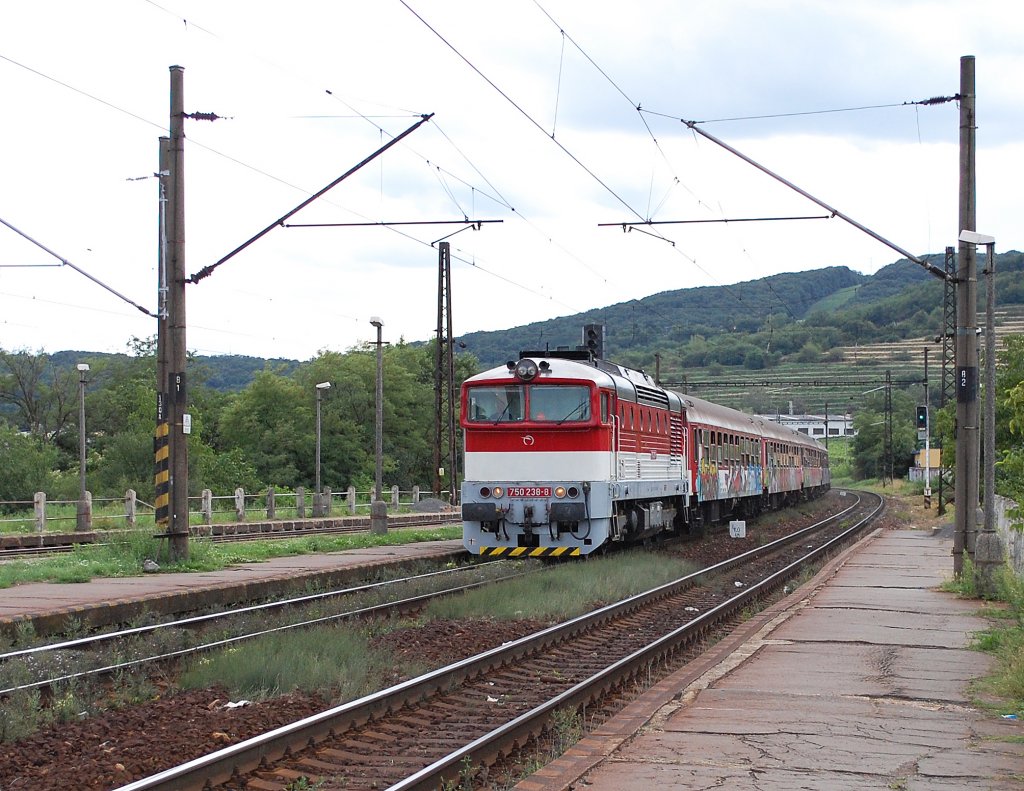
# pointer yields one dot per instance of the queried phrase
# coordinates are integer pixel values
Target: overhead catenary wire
(227, 157)
(931, 268)
(206, 271)
(66, 262)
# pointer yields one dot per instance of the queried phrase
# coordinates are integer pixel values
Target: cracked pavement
(856, 681)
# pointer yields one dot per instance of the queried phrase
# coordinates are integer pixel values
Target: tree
(43, 397)
(869, 444)
(1010, 420)
(272, 426)
(27, 462)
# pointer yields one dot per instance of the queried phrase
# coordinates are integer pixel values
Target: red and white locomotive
(567, 452)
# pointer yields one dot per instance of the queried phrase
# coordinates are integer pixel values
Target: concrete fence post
(378, 517)
(240, 504)
(39, 506)
(130, 507)
(206, 507)
(271, 504)
(325, 501)
(86, 520)
(394, 497)
(300, 502)
(415, 494)
(351, 499)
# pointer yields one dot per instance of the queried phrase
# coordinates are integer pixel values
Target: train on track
(567, 453)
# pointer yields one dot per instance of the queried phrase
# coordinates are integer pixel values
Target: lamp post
(318, 505)
(988, 550)
(83, 519)
(379, 431)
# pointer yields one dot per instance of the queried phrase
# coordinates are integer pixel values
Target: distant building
(916, 473)
(814, 425)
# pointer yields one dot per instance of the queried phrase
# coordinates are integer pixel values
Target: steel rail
(372, 611)
(533, 723)
(221, 765)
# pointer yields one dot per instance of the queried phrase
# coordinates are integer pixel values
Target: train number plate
(529, 491)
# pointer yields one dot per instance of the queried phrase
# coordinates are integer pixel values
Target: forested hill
(759, 323)
(755, 324)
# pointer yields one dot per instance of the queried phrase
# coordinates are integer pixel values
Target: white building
(814, 425)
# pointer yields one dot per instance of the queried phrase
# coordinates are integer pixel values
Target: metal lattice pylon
(947, 392)
(445, 436)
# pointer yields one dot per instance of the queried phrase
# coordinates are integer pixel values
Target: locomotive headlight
(485, 491)
(498, 491)
(574, 492)
(559, 491)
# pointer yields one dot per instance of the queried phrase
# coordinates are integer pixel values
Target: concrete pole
(316, 496)
(989, 444)
(179, 520)
(83, 520)
(379, 426)
(988, 553)
(966, 488)
(927, 440)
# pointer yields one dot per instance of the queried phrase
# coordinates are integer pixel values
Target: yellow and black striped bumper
(528, 552)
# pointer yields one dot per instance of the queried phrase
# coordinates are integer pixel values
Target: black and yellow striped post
(162, 475)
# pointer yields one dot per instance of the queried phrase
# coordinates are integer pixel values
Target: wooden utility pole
(177, 394)
(967, 417)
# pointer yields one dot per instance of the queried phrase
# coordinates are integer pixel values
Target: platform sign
(966, 383)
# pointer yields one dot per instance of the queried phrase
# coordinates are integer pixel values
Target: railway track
(450, 725)
(446, 580)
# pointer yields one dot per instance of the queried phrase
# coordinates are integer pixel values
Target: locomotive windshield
(502, 404)
(559, 403)
(547, 403)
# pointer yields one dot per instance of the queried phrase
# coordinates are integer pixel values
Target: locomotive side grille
(675, 437)
(648, 396)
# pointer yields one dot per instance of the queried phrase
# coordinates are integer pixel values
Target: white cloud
(68, 157)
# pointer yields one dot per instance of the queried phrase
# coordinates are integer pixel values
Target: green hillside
(738, 344)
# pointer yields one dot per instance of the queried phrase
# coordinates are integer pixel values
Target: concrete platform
(858, 680)
(51, 607)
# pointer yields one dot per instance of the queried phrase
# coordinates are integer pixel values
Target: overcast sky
(536, 123)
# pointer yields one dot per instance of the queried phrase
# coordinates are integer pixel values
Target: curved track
(451, 723)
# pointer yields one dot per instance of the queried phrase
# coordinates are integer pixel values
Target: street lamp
(83, 519)
(988, 551)
(379, 447)
(318, 506)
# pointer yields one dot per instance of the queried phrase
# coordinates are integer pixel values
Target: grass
(124, 557)
(338, 662)
(337, 659)
(565, 590)
(1003, 689)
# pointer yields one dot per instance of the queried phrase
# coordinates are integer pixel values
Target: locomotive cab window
(560, 403)
(496, 404)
